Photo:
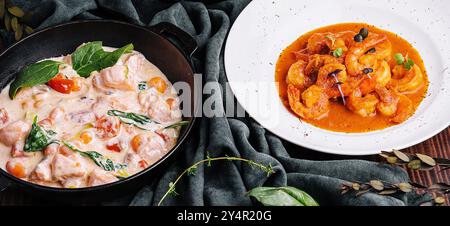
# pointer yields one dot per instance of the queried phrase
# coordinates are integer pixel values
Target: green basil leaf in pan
(111, 58)
(85, 58)
(100, 160)
(282, 196)
(34, 74)
(130, 118)
(91, 57)
(178, 124)
(38, 138)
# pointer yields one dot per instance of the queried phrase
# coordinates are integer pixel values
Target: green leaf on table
(282, 196)
(100, 160)
(91, 57)
(34, 74)
(38, 138)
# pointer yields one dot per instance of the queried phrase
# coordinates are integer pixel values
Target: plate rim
(341, 152)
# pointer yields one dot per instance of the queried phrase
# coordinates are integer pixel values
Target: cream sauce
(79, 113)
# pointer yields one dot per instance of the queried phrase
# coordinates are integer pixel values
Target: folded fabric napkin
(223, 183)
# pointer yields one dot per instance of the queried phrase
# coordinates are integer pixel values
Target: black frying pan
(173, 60)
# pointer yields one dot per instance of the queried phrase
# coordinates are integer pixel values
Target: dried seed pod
(18, 34)
(7, 21)
(377, 185)
(28, 30)
(414, 165)
(426, 159)
(402, 156)
(388, 192)
(440, 187)
(15, 24)
(16, 11)
(392, 160)
(405, 187)
(439, 200)
(2, 9)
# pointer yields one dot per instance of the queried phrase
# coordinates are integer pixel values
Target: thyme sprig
(192, 170)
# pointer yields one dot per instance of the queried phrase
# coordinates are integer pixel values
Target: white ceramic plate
(266, 27)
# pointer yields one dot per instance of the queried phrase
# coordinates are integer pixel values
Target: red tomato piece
(61, 84)
(114, 147)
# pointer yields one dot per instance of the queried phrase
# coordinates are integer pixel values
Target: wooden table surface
(438, 146)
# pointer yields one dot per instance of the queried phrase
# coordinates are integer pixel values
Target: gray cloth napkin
(223, 183)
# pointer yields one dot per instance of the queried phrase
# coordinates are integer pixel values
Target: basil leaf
(338, 52)
(138, 120)
(399, 58)
(178, 124)
(101, 161)
(142, 86)
(91, 57)
(282, 196)
(38, 138)
(111, 58)
(409, 64)
(34, 74)
(85, 58)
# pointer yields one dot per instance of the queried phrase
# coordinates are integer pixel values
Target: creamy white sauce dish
(80, 131)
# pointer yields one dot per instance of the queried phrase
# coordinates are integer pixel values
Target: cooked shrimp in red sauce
(351, 78)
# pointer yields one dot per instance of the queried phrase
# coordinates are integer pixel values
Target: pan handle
(186, 42)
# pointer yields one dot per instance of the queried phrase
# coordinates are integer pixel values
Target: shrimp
(4, 117)
(320, 43)
(19, 167)
(352, 59)
(329, 76)
(108, 127)
(316, 62)
(14, 132)
(405, 109)
(388, 101)
(43, 171)
(115, 77)
(302, 55)
(149, 146)
(296, 75)
(311, 104)
(380, 73)
(99, 177)
(383, 51)
(395, 105)
(64, 167)
(364, 106)
(343, 41)
(56, 115)
(407, 81)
